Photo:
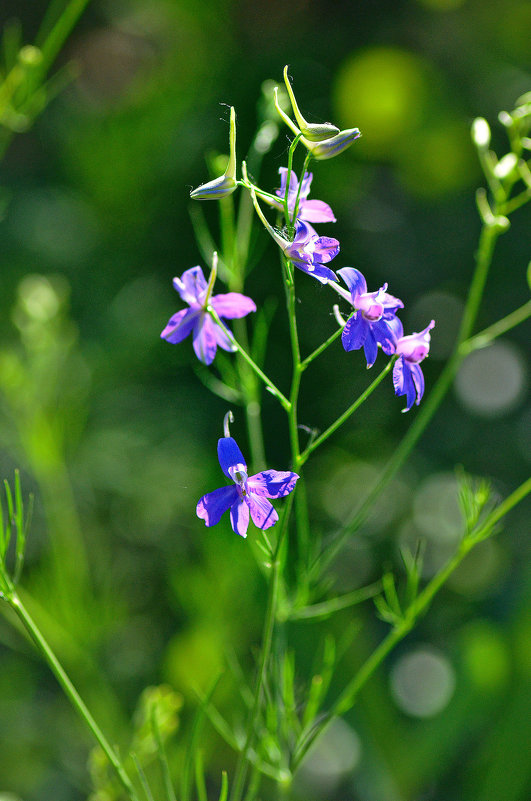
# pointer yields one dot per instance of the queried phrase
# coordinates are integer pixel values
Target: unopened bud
(333, 146)
(30, 56)
(481, 132)
(506, 165)
(214, 190)
(314, 132)
(226, 184)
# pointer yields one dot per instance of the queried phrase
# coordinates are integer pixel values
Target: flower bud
(226, 184)
(30, 56)
(333, 146)
(314, 132)
(481, 132)
(506, 165)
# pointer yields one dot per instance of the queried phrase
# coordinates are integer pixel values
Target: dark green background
(116, 436)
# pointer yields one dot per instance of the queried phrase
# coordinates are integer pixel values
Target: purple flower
(194, 290)
(371, 323)
(312, 211)
(408, 379)
(247, 495)
(310, 252)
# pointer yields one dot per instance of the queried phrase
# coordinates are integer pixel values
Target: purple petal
(418, 379)
(354, 280)
(262, 512)
(370, 347)
(403, 382)
(180, 325)
(239, 517)
(211, 506)
(316, 211)
(205, 342)
(232, 305)
(323, 274)
(395, 325)
(305, 186)
(272, 483)
(383, 333)
(230, 455)
(326, 249)
(389, 301)
(191, 285)
(222, 339)
(415, 347)
(303, 233)
(354, 332)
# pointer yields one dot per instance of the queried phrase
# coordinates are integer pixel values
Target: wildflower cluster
(372, 323)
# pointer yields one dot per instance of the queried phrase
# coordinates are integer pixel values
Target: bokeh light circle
(491, 381)
(382, 91)
(422, 682)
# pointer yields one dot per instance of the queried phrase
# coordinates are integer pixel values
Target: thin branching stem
(70, 691)
(267, 381)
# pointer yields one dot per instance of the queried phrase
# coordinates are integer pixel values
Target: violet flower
(207, 335)
(311, 211)
(408, 378)
(247, 495)
(310, 252)
(371, 323)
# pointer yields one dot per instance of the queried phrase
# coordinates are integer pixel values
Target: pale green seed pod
(226, 184)
(314, 132)
(333, 146)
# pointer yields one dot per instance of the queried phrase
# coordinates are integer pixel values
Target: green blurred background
(115, 434)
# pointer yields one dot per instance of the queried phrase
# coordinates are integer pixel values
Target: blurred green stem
(495, 330)
(267, 638)
(272, 388)
(346, 414)
(60, 32)
(416, 608)
(235, 238)
(70, 691)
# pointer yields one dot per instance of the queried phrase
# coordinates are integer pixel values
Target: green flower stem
(305, 166)
(267, 639)
(500, 511)
(495, 330)
(272, 388)
(301, 503)
(236, 253)
(326, 608)
(346, 414)
(70, 691)
(317, 352)
(266, 195)
(418, 607)
(287, 217)
(297, 367)
(517, 201)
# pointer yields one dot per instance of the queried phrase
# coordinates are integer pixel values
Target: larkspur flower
(207, 335)
(247, 495)
(308, 251)
(371, 323)
(408, 378)
(311, 211)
